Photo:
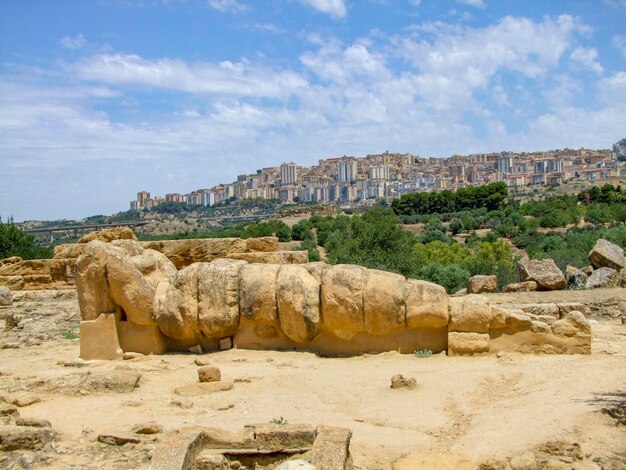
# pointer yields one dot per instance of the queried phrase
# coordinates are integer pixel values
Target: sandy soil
(481, 407)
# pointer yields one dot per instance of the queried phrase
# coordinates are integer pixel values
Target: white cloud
(228, 5)
(334, 8)
(76, 42)
(619, 42)
(241, 78)
(415, 3)
(587, 58)
(473, 3)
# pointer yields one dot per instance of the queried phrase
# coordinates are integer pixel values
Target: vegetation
(14, 242)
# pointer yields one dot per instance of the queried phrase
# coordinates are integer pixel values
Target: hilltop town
(349, 180)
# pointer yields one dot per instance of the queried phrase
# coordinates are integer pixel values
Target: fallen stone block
(24, 437)
(331, 449)
(467, 343)
(118, 439)
(278, 437)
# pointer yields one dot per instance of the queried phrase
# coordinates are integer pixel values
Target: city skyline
(99, 99)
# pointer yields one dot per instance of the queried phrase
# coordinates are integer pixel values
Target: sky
(100, 99)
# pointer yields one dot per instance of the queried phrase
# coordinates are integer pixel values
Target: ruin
(134, 298)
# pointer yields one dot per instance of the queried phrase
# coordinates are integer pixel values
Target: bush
(14, 242)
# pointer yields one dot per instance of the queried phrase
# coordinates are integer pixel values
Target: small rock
(10, 345)
(223, 406)
(605, 254)
(184, 404)
(201, 361)
(34, 422)
(206, 388)
(399, 381)
(147, 428)
(479, 284)
(494, 464)
(74, 363)
(24, 437)
(6, 296)
(524, 461)
(23, 399)
(197, 349)
(7, 409)
(118, 439)
(526, 286)
(603, 277)
(131, 355)
(209, 374)
(132, 403)
(226, 343)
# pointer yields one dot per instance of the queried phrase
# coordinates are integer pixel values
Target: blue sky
(101, 99)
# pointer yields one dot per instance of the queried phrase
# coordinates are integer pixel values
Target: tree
(14, 242)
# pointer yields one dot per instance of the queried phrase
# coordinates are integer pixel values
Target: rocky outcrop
(479, 284)
(109, 234)
(544, 272)
(576, 278)
(605, 254)
(133, 299)
(603, 277)
(6, 296)
(526, 286)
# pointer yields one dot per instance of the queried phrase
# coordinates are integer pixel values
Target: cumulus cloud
(619, 42)
(473, 3)
(76, 42)
(231, 78)
(587, 58)
(228, 5)
(334, 8)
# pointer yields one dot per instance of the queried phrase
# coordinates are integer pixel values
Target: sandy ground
(480, 407)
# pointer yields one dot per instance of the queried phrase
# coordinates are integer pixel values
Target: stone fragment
(544, 272)
(565, 308)
(118, 381)
(278, 437)
(24, 437)
(218, 298)
(109, 234)
(226, 343)
(331, 449)
(154, 266)
(540, 327)
(603, 277)
(201, 361)
(206, 460)
(467, 343)
(202, 388)
(127, 356)
(426, 305)
(523, 461)
(99, 338)
(22, 399)
(118, 439)
(201, 250)
(383, 302)
(297, 297)
(342, 300)
(587, 270)
(494, 463)
(258, 293)
(545, 309)
(400, 381)
(7, 409)
(576, 279)
(471, 313)
(34, 422)
(574, 324)
(209, 374)
(141, 339)
(15, 283)
(517, 321)
(262, 244)
(147, 428)
(605, 254)
(479, 284)
(6, 296)
(526, 286)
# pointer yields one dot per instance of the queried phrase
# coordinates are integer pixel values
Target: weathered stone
(565, 308)
(258, 293)
(400, 381)
(523, 461)
(262, 244)
(218, 298)
(178, 450)
(115, 439)
(297, 297)
(518, 322)
(141, 339)
(6, 296)
(342, 300)
(296, 464)
(202, 388)
(109, 234)
(209, 374)
(426, 305)
(467, 343)
(471, 313)
(22, 399)
(118, 381)
(24, 437)
(479, 284)
(574, 324)
(91, 282)
(331, 449)
(33, 422)
(277, 437)
(526, 286)
(154, 266)
(544, 272)
(540, 327)
(587, 270)
(546, 309)
(206, 460)
(605, 254)
(178, 312)
(277, 257)
(99, 338)
(147, 428)
(7, 409)
(383, 302)
(427, 460)
(10, 260)
(603, 277)
(186, 252)
(15, 283)
(225, 343)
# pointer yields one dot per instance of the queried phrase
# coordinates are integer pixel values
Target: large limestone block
(479, 284)
(276, 257)
(383, 302)
(574, 324)
(178, 311)
(92, 287)
(154, 266)
(258, 292)
(526, 286)
(68, 251)
(109, 234)
(12, 282)
(218, 297)
(603, 277)
(129, 247)
(278, 437)
(99, 339)
(331, 449)
(298, 300)
(342, 300)
(130, 289)
(605, 254)
(144, 339)
(426, 305)
(262, 244)
(10, 260)
(29, 267)
(544, 272)
(185, 252)
(467, 343)
(471, 313)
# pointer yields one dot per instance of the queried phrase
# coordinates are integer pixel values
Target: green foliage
(14, 242)
(302, 230)
(423, 353)
(282, 421)
(70, 334)
(272, 227)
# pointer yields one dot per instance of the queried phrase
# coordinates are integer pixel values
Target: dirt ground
(480, 407)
